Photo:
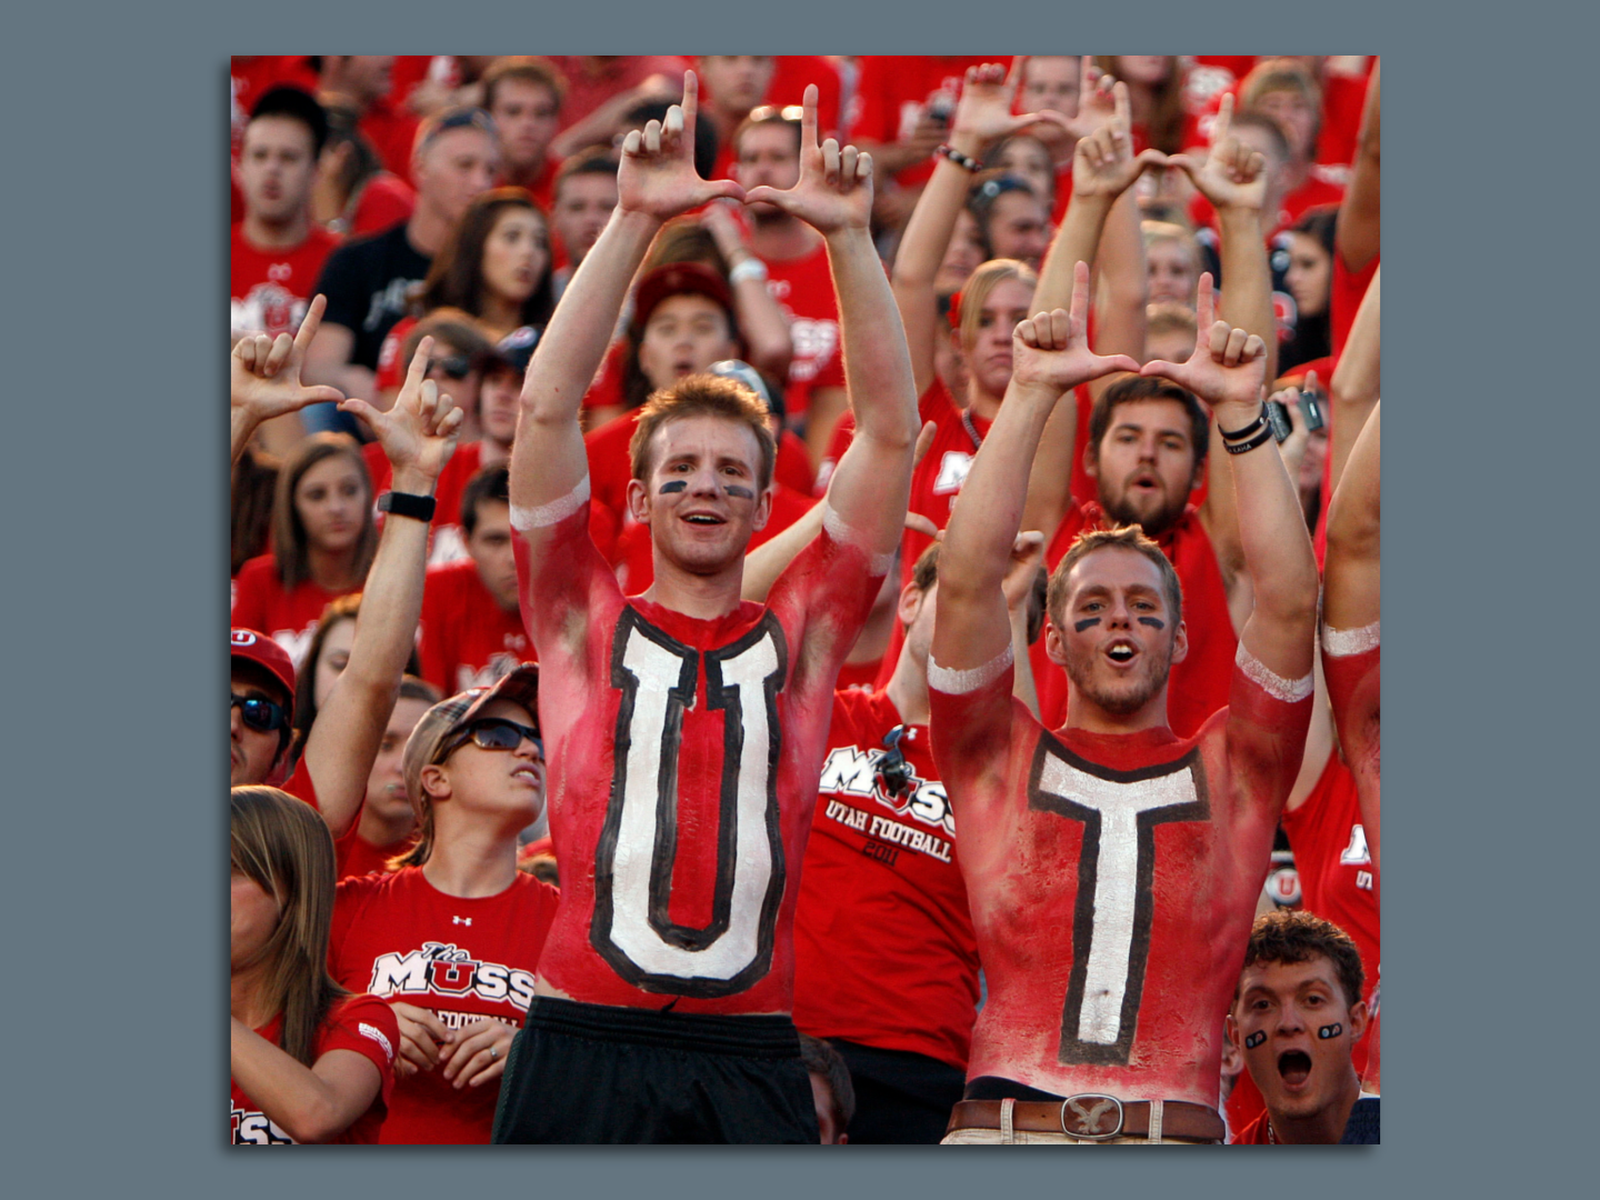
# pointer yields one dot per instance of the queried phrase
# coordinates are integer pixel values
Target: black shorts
(901, 1098)
(598, 1073)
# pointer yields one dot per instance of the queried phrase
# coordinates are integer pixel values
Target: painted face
(490, 548)
(1051, 82)
(583, 206)
(1119, 640)
(1283, 1009)
(685, 334)
(253, 914)
(1146, 467)
(386, 786)
(527, 116)
(768, 155)
(989, 357)
(506, 784)
(331, 499)
(251, 752)
(516, 254)
(499, 397)
(456, 166)
(1310, 274)
(335, 657)
(1019, 227)
(276, 168)
(1294, 115)
(963, 256)
(1028, 160)
(737, 82)
(703, 499)
(1171, 274)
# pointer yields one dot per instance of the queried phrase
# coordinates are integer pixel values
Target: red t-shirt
(794, 72)
(360, 857)
(391, 128)
(1352, 669)
(401, 938)
(685, 895)
(360, 1023)
(253, 76)
(468, 640)
(588, 89)
(1318, 190)
(446, 543)
(1112, 880)
(803, 288)
(884, 950)
(859, 677)
(1337, 879)
(1199, 684)
(1344, 97)
(385, 201)
(893, 89)
(351, 854)
(270, 289)
(288, 617)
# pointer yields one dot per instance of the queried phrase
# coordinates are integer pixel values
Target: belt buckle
(1089, 1117)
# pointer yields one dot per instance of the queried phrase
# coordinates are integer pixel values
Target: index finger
(808, 118)
(419, 364)
(1121, 106)
(1224, 121)
(431, 1023)
(1205, 309)
(690, 102)
(309, 324)
(1014, 76)
(1080, 292)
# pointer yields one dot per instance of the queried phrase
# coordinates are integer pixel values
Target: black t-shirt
(366, 282)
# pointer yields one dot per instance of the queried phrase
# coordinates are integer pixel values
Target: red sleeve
(250, 599)
(385, 202)
(301, 786)
(368, 1026)
(433, 655)
(794, 72)
(390, 373)
(793, 467)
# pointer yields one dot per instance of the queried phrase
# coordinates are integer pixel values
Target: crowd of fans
(1010, 426)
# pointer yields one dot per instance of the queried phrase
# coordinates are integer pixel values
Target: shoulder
(535, 893)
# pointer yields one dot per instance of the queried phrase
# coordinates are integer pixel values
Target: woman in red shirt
(323, 540)
(310, 1062)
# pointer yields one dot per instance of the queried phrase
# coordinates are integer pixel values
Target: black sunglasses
(893, 772)
(264, 716)
(491, 733)
(457, 366)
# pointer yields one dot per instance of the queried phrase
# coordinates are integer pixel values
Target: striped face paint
(738, 491)
(673, 485)
(1255, 1039)
(1086, 623)
(1153, 622)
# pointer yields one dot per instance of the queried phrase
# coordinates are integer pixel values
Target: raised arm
(872, 483)
(418, 435)
(1050, 357)
(768, 345)
(1357, 236)
(656, 181)
(264, 378)
(982, 117)
(1353, 392)
(1104, 168)
(1227, 370)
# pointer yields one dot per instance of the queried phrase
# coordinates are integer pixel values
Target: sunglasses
(457, 366)
(263, 716)
(491, 733)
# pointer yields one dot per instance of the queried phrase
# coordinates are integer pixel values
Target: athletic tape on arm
(540, 515)
(958, 683)
(1290, 691)
(877, 564)
(1342, 643)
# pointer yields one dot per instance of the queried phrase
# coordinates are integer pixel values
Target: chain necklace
(972, 430)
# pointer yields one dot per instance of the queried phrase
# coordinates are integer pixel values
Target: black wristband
(405, 504)
(946, 150)
(1261, 438)
(1250, 430)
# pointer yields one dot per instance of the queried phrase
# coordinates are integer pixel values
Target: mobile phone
(1278, 418)
(1311, 410)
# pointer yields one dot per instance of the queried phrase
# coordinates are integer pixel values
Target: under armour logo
(461, 920)
(1091, 1118)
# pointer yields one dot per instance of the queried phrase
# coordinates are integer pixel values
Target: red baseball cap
(676, 279)
(258, 648)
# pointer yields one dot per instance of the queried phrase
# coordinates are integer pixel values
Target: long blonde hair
(284, 846)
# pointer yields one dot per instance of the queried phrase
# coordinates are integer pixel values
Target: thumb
(1177, 372)
(320, 393)
(725, 189)
(1119, 362)
(1156, 158)
(1184, 163)
(769, 194)
(360, 409)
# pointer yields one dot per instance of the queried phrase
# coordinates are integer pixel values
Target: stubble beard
(1123, 701)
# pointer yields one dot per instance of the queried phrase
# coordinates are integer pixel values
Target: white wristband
(749, 268)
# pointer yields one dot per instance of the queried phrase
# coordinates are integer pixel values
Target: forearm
(1355, 386)
(307, 1107)
(876, 363)
(1247, 279)
(1354, 516)
(1274, 544)
(922, 248)
(1124, 284)
(768, 346)
(243, 427)
(766, 562)
(1076, 241)
(1357, 234)
(1022, 683)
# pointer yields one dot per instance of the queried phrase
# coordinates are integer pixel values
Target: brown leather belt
(1092, 1117)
